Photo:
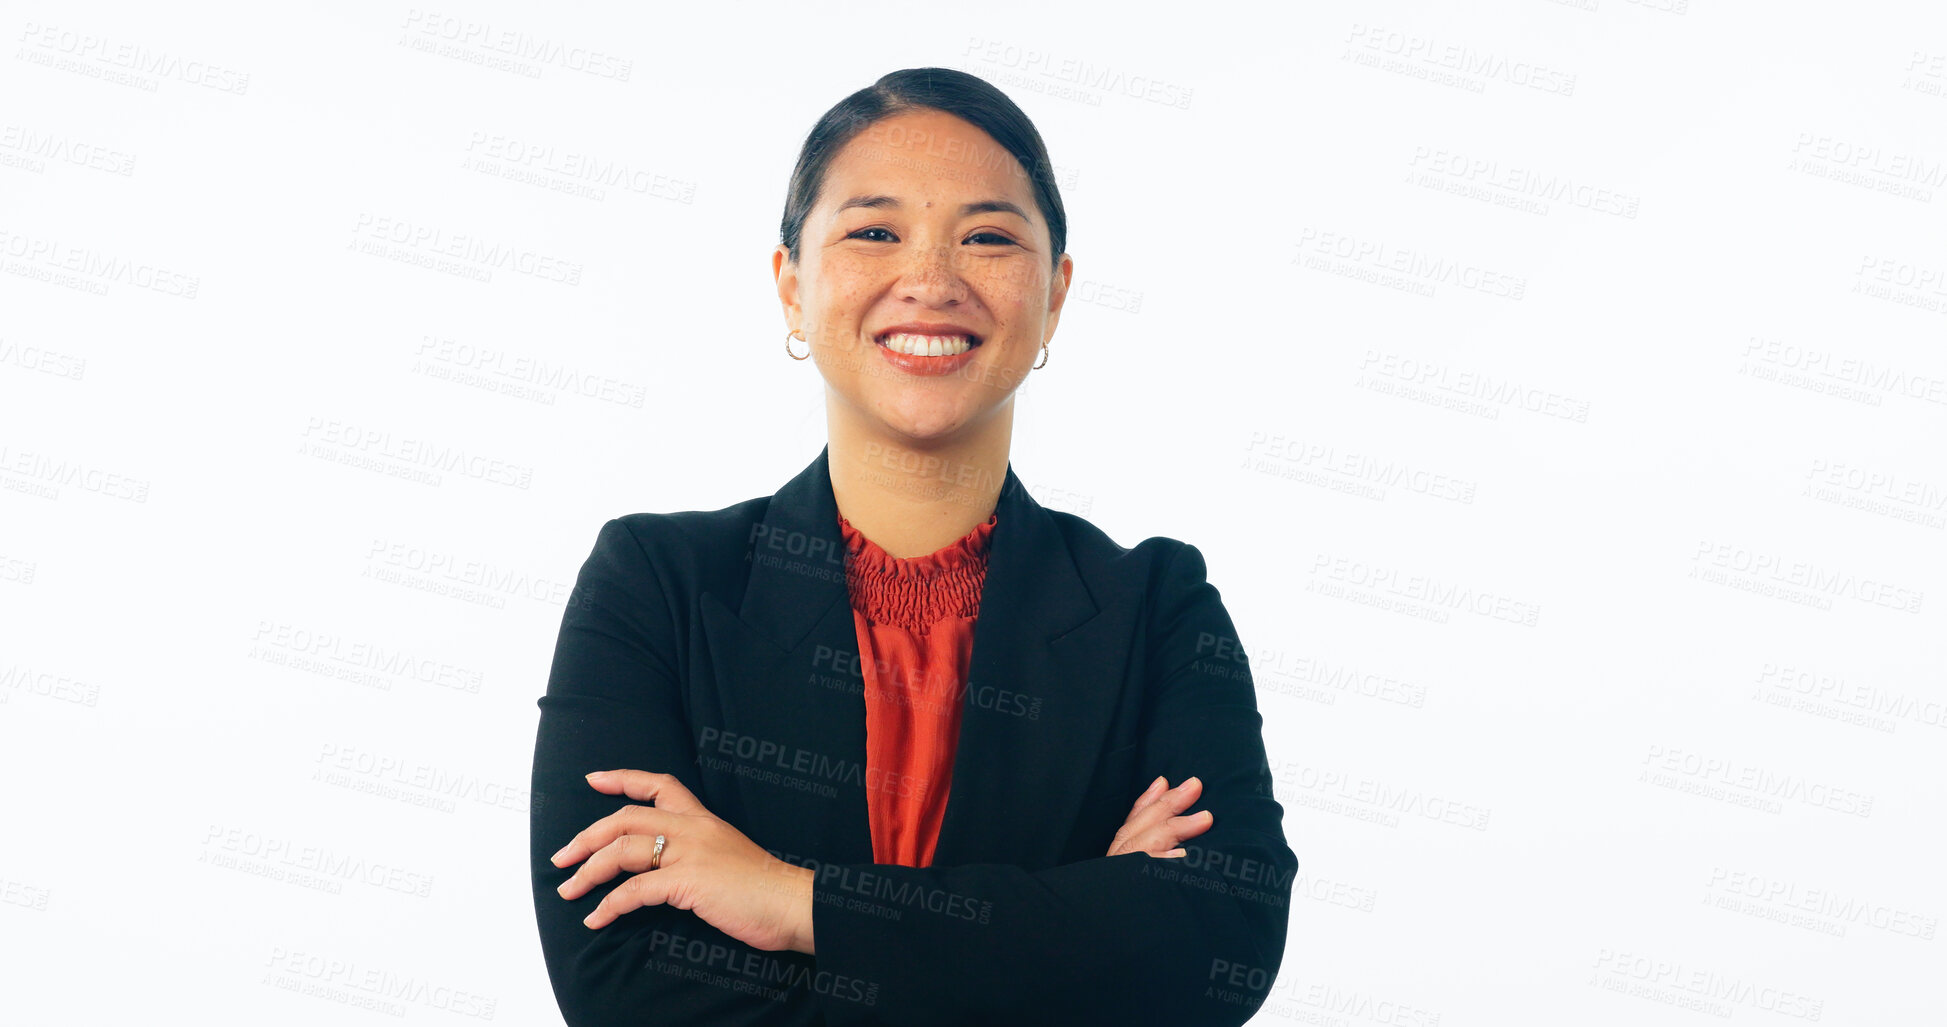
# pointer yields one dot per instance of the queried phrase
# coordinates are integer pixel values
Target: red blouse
(915, 618)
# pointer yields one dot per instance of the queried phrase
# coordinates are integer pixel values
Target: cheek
(1017, 313)
(845, 289)
(1015, 291)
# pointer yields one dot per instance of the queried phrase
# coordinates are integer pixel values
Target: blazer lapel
(1036, 704)
(785, 663)
(1040, 692)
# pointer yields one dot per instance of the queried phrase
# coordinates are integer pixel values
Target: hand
(1153, 825)
(708, 866)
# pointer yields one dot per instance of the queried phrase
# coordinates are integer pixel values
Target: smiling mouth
(917, 345)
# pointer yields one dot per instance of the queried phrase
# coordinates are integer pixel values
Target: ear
(1058, 294)
(785, 270)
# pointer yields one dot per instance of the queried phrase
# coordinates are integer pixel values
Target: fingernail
(588, 921)
(596, 774)
(557, 857)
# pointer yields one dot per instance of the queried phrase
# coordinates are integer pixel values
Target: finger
(1179, 798)
(1161, 838)
(1164, 838)
(1151, 844)
(662, 789)
(628, 819)
(1192, 824)
(1149, 794)
(1165, 806)
(630, 853)
(633, 894)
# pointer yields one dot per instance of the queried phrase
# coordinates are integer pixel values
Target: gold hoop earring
(1044, 356)
(795, 333)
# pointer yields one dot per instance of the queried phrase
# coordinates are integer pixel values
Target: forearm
(656, 964)
(1127, 938)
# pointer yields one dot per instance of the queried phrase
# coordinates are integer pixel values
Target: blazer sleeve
(1115, 939)
(613, 701)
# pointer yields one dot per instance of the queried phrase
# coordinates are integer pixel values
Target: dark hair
(964, 96)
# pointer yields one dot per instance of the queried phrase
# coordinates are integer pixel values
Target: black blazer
(719, 646)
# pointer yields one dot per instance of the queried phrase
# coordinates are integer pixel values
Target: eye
(998, 238)
(875, 228)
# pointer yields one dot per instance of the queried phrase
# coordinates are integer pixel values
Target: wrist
(802, 906)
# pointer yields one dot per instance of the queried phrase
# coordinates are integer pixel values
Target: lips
(928, 340)
(927, 350)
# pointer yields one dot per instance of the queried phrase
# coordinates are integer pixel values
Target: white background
(1556, 390)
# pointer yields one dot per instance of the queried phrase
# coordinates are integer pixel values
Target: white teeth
(928, 345)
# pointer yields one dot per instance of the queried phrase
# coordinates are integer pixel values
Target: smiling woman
(899, 739)
(928, 281)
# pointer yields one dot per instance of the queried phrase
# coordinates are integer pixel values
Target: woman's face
(925, 234)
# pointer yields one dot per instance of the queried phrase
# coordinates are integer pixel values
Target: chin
(928, 432)
(923, 425)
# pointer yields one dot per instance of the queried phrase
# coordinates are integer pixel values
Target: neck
(912, 497)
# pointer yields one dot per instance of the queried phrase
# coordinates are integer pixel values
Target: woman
(874, 749)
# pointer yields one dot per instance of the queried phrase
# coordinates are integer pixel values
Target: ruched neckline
(916, 592)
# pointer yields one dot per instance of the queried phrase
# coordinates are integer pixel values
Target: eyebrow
(966, 210)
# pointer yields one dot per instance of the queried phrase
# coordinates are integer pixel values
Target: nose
(930, 277)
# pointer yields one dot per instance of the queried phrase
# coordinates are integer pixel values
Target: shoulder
(684, 552)
(665, 537)
(1188, 637)
(1157, 565)
(1179, 614)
